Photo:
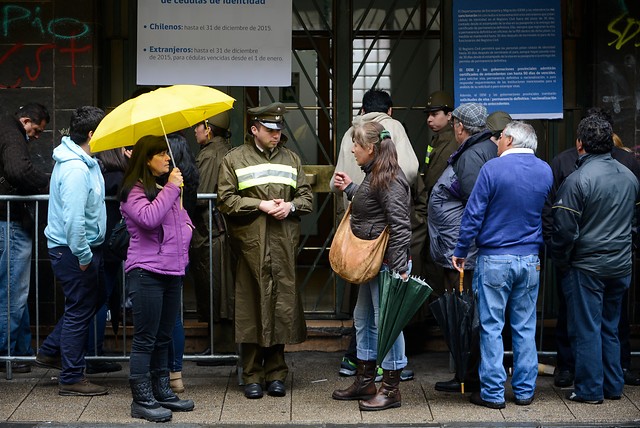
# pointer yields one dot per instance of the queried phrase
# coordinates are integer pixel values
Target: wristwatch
(293, 208)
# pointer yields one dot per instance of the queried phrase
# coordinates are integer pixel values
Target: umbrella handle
(173, 160)
(461, 285)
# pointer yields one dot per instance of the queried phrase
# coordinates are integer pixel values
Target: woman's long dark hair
(138, 170)
(184, 159)
(385, 158)
(113, 160)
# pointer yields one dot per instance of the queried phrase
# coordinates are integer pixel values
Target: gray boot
(164, 394)
(144, 405)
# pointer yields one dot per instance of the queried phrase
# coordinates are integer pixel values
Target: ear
(254, 130)
(510, 143)
(390, 112)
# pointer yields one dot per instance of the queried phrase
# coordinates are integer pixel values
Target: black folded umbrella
(456, 314)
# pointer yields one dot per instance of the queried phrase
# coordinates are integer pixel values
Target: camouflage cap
(271, 116)
(439, 100)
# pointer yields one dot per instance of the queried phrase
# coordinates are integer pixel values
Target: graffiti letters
(624, 30)
(60, 28)
(66, 33)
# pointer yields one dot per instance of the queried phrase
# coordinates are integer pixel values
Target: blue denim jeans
(95, 340)
(14, 285)
(507, 284)
(82, 291)
(593, 313)
(365, 318)
(176, 350)
(155, 302)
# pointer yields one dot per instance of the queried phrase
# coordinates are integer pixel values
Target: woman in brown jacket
(383, 199)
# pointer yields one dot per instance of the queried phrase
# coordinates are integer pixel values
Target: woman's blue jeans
(365, 318)
(155, 302)
(176, 349)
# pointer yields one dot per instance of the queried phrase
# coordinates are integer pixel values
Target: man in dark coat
(18, 176)
(214, 139)
(591, 243)
(562, 166)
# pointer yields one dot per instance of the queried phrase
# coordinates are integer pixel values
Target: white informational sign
(214, 42)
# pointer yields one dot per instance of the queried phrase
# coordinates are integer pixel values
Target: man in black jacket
(591, 243)
(18, 176)
(562, 166)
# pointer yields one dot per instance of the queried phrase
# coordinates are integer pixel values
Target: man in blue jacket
(77, 221)
(504, 219)
(591, 242)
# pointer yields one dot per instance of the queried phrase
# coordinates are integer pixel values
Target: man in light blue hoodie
(76, 227)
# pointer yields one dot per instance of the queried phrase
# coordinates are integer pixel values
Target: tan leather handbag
(354, 259)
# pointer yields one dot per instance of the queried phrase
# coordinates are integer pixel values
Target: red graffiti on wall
(66, 33)
(33, 74)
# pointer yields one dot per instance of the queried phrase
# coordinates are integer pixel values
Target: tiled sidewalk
(313, 376)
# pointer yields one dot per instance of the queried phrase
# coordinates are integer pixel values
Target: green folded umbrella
(399, 301)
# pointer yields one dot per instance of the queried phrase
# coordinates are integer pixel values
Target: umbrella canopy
(457, 317)
(399, 301)
(158, 112)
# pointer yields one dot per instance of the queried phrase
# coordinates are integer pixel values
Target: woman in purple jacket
(160, 232)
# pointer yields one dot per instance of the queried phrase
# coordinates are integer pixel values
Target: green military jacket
(268, 305)
(443, 144)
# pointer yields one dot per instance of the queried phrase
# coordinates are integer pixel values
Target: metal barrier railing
(7, 358)
(545, 282)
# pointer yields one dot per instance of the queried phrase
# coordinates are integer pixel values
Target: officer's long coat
(268, 304)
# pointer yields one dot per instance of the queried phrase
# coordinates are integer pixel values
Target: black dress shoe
(276, 389)
(572, 396)
(253, 390)
(631, 378)
(454, 385)
(478, 401)
(448, 386)
(563, 378)
(524, 401)
(16, 367)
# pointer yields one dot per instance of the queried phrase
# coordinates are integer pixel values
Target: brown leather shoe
(49, 361)
(82, 388)
(363, 386)
(388, 395)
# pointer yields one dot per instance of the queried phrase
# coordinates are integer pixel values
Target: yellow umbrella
(158, 112)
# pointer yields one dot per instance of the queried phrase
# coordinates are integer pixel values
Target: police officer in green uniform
(263, 191)
(443, 143)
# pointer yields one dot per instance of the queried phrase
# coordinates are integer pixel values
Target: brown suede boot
(363, 387)
(388, 395)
